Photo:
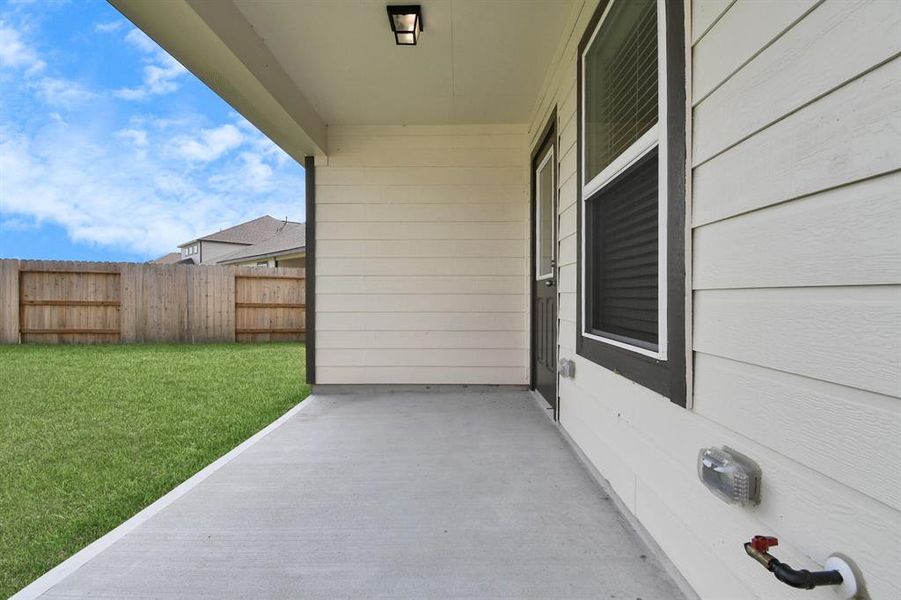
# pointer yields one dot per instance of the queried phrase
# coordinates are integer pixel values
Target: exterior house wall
(796, 335)
(271, 261)
(258, 262)
(210, 251)
(294, 262)
(421, 261)
(186, 252)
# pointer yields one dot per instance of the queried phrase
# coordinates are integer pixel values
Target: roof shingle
(167, 259)
(251, 232)
(292, 236)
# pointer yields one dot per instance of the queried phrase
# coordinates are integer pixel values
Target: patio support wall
(796, 322)
(422, 236)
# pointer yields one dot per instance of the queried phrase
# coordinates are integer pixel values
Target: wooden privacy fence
(65, 302)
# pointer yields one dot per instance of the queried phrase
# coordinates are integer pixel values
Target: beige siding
(422, 255)
(797, 271)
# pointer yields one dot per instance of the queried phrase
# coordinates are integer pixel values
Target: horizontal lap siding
(845, 137)
(845, 236)
(797, 262)
(794, 70)
(845, 335)
(429, 284)
(796, 266)
(422, 246)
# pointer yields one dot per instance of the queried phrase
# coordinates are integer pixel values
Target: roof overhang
(215, 42)
(299, 251)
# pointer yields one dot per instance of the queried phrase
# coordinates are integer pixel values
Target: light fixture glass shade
(405, 39)
(406, 23)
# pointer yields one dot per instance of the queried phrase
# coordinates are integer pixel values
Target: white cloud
(161, 73)
(108, 27)
(210, 145)
(169, 123)
(15, 53)
(62, 92)
(255, 171)
(141, 41)
(55, 91)
(18, 224)
(160, 78)
(85, 179)
(250, 175)
(137, 137)
(91, 192)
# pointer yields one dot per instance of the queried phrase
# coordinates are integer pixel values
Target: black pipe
(803, 579)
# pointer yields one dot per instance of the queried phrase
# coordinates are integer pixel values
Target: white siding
(422, 243)
(797, 309)
(210, 251)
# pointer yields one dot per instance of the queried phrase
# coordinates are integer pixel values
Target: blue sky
(111, 150)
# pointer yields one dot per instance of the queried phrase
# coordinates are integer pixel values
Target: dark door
(544, 283)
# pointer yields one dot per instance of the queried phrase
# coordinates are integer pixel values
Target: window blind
(621, 83)
(621, 247)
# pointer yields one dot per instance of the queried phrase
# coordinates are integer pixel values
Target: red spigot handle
(762, 543)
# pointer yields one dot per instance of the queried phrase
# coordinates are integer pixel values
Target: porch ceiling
(293, 68)
(478, 61)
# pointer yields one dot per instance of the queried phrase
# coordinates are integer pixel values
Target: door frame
(548, 133)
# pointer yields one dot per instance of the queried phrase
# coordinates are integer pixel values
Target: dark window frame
(666, 377)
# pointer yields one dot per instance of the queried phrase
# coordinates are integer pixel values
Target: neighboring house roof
(251, 232)
(167, 259)
(291, 238)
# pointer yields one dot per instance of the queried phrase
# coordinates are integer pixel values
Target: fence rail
(68, 302)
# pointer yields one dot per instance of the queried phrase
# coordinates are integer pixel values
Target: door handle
(549, 282)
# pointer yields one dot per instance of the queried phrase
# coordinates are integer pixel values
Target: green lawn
(90, 435)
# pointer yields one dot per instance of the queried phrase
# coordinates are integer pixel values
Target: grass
(90, 435)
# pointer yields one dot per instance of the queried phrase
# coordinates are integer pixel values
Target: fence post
(9, 301)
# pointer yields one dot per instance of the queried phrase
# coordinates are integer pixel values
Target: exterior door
(544, 282)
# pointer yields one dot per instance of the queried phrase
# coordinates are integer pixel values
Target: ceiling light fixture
(406, 23)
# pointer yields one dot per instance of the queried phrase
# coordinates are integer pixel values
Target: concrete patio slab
(403, 495)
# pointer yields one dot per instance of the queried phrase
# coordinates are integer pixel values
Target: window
(544, 217)
(632, 170)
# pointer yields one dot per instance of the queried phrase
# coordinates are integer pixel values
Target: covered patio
(472, 494)
(675, 220)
